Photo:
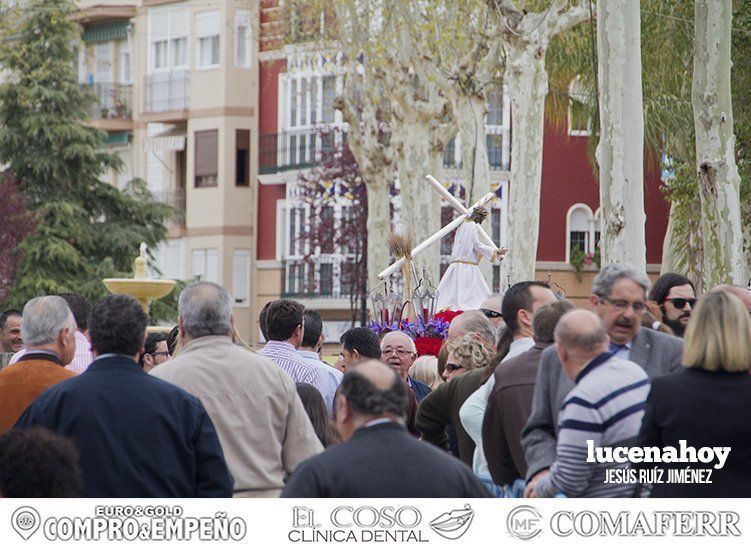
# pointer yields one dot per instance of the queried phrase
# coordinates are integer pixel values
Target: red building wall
(568, 179)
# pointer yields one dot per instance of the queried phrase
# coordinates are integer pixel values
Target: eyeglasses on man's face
(491, 314)
(679, 302)
(400, 352)
(622, 305)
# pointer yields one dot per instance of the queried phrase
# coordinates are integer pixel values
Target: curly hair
(468, 352)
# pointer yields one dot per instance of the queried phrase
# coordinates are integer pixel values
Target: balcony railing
(167, 91)
(113, 101)
(296, 148)
(176, 199)
(328, 276)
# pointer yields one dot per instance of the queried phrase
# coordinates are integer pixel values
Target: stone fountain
(139, 286)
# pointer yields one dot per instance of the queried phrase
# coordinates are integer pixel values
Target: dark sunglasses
(679, 303)
(491, 314)
(451, 367)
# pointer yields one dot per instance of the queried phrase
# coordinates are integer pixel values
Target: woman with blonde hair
(708, 401)
(425, 370)
(464, 354)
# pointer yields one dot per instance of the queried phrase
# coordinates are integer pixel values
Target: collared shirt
(331, 377)
(82, 358)
(622, 351)
(289, 359)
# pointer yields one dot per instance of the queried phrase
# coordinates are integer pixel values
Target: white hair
(43, 319)
(205, 309)
(399, 333)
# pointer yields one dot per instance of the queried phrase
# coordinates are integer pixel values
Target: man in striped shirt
(605, 406)
(283, 327)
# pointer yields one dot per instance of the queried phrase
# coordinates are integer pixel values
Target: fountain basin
(144, 290)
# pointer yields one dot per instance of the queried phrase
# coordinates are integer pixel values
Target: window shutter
(241, 277)
(206, 149)
(243, 139)
(207, 23)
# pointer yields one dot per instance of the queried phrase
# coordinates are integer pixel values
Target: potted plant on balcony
(121, 110)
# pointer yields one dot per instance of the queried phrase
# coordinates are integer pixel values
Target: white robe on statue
(463, 286)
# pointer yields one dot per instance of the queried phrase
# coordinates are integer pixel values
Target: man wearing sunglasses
(491, 308)
(675, 295)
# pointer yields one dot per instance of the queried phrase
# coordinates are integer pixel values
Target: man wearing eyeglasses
(491, 308)
(675, 295)
(398, 350)
(619, 298)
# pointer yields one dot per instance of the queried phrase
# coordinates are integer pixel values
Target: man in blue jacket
(137, 436)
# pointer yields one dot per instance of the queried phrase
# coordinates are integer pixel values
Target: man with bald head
(475, 322)
(491, 308)
(605, 407)
(378, 457)
(399, 351)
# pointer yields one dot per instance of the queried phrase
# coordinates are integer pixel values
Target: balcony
(295, 149)
(167, 92)
(328, 277)
(112, 108)
(176, 199)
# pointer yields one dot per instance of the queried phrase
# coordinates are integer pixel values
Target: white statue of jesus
(463, 286)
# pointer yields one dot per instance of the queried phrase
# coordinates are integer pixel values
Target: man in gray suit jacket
(618, 297)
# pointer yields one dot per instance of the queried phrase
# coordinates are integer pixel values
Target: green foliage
(86, 229)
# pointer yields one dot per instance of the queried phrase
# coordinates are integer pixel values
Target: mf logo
(524, 522)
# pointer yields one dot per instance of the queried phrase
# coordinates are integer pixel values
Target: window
(579, 226)
(207, 34)
(242, 158)
(327, 279)
(241, 277)
(296, 226)
(578, 109)
(206, 163)
(242, 38)
(103, 56)
(206, 264)
(168, 38)
(125, 72)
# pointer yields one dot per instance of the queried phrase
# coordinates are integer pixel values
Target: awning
(116, 138)
(172, 139)
(117, 30)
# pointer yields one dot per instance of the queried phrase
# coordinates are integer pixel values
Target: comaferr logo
(636, 524)
(524, 522)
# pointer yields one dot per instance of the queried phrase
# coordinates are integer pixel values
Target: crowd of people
(522, 389)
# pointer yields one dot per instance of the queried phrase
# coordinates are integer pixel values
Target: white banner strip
(434, 521)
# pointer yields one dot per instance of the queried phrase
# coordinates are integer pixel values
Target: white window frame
(591, 228)
(205, 257)
(241, 257)
(577, 92)
(208, 35)
(125, 63)
(168, 37)
(243, 19)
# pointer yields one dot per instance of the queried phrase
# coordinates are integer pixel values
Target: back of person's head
(518, 297)
(151, 343)
(205, 309)
(313, 329)
(44, 318)
(117, 325)
(443, 356)
(719, 335)
(282, 318)
(374, 389)
(743, 294)
(546, 318)
(262, 321)
(468, 352)
(665, 283)
(81, 308)
(581, 331)
(364, 340)
(605, 280)
(315, 407)
(425, 370)
(475, 322)
(36, 463)
(8, 314)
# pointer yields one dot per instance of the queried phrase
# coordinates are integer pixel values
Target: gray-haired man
(262, 425)
(619, 298)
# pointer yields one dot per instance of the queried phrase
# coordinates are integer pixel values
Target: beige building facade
(177, 92)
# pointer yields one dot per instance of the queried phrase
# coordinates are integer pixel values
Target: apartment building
(177, 92)
(297, 88)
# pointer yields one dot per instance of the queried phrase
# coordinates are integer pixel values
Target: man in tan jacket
(262, 425)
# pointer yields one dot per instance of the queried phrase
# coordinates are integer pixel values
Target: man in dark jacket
(379, 458)
(137, 436)
(510, 402)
